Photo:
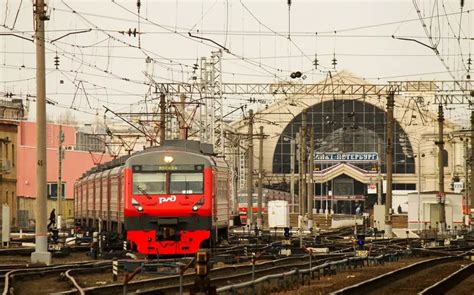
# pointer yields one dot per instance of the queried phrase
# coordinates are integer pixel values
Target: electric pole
(250, 172)
(379, 176)
(304, 162)
(300, 177)
(260, 179)
(441, 193)
(292, 173)
(389, 158)
(466, 181)
(60, 168)
(183, 128)
(162, 118)
(41, 254)
(311, 180)
(471, 163)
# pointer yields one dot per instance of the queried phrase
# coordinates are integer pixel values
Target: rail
(43, 270)
(73, 281)
(449, 282)
(288, 280)
(375, 282)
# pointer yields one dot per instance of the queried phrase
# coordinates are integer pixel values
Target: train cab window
(149, 183)
(186, 183)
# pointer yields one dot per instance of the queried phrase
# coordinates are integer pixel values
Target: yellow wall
(28, 204)
(8, 159)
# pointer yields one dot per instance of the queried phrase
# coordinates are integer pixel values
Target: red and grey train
(167, 200)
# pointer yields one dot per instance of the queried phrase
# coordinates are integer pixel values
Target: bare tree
(67, 118)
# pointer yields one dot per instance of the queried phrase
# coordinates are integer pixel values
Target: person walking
(52, 218)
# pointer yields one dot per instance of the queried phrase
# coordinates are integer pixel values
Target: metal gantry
(449, 92)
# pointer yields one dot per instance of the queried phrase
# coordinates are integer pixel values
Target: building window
(53, 190)
(404, 186)
(13, 155)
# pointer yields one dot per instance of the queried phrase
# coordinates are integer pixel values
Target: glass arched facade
(348, 125)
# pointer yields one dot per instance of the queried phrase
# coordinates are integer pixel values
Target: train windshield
(186, 183)
(149, 183)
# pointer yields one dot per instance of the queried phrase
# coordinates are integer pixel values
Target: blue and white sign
(346, 157)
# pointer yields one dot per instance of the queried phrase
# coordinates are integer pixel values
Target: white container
(278, 214)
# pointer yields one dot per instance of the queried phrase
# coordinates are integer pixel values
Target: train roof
(186, 145)
(177, 144)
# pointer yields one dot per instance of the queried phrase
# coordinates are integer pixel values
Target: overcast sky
(266, 42)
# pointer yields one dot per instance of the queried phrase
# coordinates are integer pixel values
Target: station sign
(371, 188)
(340, 197)
(346, 157)
(458, 186)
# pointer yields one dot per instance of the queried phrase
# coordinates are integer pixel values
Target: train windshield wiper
(143, 191)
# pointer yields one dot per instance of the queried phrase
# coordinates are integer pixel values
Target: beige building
(11, 111)
(8, 137)
(348, 116)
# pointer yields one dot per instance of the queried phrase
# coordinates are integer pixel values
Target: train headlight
(198, 205)
(137, 205)
(168, 159)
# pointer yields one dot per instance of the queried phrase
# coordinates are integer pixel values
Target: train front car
(169, 202)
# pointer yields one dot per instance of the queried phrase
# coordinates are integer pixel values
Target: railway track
(408, 280)
(19, 273)
(218, 276)
(459, 282)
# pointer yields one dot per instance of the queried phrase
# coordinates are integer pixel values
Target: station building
(349, 129)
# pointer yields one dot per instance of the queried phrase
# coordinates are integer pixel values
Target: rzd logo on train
(167, 199)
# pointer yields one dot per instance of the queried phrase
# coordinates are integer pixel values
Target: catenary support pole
(466, 181)
(260, 181)
(304, 162)
(311, 179)
(292, 174)
(250, 172)
(379, 174)
(300, 177)
(60, 170)
(389, 158)
(419, 188)
(41, 254)
(441, 193)
(162, 118)
(471, 163)
(183, 128)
